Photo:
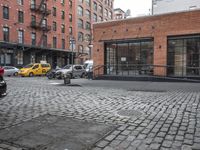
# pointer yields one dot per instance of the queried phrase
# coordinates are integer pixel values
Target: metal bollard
(67, 79)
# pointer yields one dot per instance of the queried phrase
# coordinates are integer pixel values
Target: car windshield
(67, 67)
(28, 66)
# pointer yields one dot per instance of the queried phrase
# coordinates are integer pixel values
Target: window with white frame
(20, 36)
(20, 2)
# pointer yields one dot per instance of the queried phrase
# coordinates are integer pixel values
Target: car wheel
(30, 74)
(83, 75)
(71, 76)
(3, 95)
(16, 74)
(50, 76)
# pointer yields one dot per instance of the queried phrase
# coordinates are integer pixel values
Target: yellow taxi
(35, 69)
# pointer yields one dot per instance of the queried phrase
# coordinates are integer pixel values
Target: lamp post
(72, 42)
(90, 45)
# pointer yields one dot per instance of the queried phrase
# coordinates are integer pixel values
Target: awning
(24, 47)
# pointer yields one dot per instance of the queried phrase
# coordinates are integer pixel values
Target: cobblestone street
(148, 115)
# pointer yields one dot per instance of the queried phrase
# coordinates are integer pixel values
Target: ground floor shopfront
(20, 55)
(163, 45)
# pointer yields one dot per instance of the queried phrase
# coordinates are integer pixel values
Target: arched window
(80, 37)
(80, 23)
(80, 11)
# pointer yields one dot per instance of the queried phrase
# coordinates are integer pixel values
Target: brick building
(82, 15)
(166, 6)
(119, 14)
(160, 45)
(36, 30)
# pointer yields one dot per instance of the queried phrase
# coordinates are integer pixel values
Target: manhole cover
(73, 85)
(61, 84)
(129, 113)
(152, 91)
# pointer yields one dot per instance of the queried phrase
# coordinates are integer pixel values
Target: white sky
(137, 7)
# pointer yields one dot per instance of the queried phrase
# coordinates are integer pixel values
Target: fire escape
(41, 25)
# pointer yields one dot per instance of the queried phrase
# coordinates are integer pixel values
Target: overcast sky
(137, 7)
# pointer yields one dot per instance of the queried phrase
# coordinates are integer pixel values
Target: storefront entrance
(128, 58)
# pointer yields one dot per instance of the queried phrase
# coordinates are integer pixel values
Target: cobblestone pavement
(153, 116)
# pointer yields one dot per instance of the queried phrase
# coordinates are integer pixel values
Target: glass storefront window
(183, 57)
(129, 57)
(111, 58)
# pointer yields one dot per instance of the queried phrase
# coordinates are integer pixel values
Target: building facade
(34, 31)
(56, 31)
(119, 14)
(82, 15)
(167, 6)
(161, 45)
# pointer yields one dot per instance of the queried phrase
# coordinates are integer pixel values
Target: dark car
(3, 85)
(52, 73)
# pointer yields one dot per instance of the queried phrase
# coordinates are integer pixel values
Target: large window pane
(184, 56)
(6, 34)
(111, 61)
(129, 58)
(146, 52)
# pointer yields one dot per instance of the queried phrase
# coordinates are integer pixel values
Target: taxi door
(37, 69)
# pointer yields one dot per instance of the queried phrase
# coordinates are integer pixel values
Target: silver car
(76, 71)
(10, 71)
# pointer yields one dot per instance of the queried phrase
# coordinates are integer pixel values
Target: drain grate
(61, 84)
(148, 90)
(129, 113)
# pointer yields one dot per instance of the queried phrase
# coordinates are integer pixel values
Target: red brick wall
(75, 15)
(13, 24)
(157, 27)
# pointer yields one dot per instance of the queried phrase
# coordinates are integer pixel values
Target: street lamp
(72, 42)
(90, 45)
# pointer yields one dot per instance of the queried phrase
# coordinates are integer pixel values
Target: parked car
(77, 71)
(10, 71)
(35, 69)
(3, 85)
(51, 74)
(88, 64)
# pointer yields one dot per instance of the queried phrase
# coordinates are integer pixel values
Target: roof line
(148, 16)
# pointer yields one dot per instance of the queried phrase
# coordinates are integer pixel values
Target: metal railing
(42, 10)
(146, 70)
(37, 25)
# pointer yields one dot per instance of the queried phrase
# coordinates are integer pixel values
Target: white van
(88, 65)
